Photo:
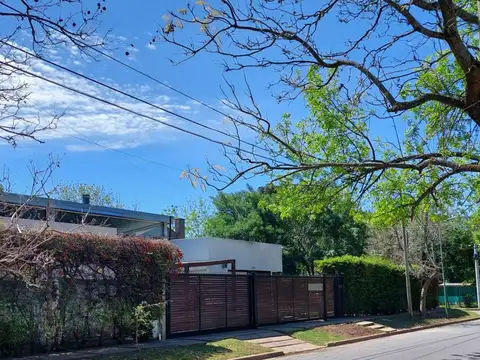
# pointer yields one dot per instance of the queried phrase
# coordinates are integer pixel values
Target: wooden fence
(201, 302)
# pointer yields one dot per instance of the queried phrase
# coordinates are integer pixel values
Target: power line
(108, 56)
(132, 96)
(85, 138)
(90, 141)
(133, 111)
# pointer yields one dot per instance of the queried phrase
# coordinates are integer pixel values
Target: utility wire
(86, 139)
(126, 94)
(236, 138)
(108, 56)
(133, 111)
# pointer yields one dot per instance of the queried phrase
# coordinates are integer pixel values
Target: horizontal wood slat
(205, 302)
(202, 302)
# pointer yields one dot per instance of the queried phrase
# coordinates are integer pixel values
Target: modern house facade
(67, 216)
(201, 254)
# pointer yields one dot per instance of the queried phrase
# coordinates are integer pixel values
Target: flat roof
(71, 206)
(224, 240)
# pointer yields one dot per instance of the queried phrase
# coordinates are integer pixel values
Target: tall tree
(420, 74)
(248, 215)
(98, 195)
(240, 215)
(196, 214)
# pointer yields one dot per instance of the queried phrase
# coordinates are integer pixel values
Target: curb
(268, 355)
(397, 332)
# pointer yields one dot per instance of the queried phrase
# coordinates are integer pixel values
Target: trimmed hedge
(373, 285)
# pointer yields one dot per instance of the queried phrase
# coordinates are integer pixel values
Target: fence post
(165, 320)
(253, 301)
(308, 298)
(199, 303)
(226, 298)
(276, 287)
(293, 297)
(339, 302)
(324, 297)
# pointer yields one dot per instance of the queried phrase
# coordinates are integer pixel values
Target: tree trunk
(407, 270)
(423, 295)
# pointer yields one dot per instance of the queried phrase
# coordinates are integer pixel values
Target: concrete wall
(248, 255)
(59, 226)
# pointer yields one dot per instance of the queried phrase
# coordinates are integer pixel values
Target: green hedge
(373, 285)
(86, 294)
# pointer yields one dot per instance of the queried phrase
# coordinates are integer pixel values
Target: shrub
(373, 285)
(87, 291)
(468, 300)
(12, 336)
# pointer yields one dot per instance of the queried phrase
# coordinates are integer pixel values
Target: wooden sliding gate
(200, 303)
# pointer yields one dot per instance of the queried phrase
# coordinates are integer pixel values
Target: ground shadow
(197, 352)
(403, 321)
(471, 356)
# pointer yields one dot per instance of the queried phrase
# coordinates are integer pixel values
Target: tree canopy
(99, 195)
(412, 65)
(248, 215)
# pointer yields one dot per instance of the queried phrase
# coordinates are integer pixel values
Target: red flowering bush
(86, 286)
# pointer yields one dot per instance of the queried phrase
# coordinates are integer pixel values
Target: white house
(249, 256)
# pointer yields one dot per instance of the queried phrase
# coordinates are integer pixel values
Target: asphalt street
(455, 342)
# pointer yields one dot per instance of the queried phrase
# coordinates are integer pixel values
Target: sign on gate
(315, 287)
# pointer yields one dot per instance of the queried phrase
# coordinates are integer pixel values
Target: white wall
(248, 255)
(59, 226)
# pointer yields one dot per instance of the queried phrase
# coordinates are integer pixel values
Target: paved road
(456, 342)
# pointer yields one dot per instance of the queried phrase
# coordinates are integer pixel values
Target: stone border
(268, 355)
(398, 332)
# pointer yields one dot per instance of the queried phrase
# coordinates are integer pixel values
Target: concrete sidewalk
(273, 336)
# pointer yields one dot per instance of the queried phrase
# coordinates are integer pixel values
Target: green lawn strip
(217, 350)
(403, 321)
(316, 336)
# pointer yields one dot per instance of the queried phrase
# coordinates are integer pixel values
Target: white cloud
(82, 116)
(151, 46)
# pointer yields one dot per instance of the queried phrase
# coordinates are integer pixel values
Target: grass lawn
(403, 321)
(218, 350)
(325, 334)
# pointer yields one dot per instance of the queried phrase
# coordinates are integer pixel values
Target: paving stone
(376, 326)
(281, 344)
(270, 339)
(365, 323)
(297, 348)
(387, 329)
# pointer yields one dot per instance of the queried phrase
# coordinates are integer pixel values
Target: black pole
(324, 297)
(293, 297)
(253, 300)
(308, 298)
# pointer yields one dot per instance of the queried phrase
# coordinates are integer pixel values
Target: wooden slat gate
(199, 303)
(202, 302)
(280, 299)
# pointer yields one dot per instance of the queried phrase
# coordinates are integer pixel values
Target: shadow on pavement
(471, 356)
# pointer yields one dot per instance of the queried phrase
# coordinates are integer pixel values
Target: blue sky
(152, 186)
